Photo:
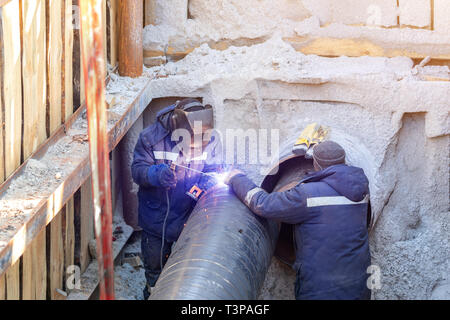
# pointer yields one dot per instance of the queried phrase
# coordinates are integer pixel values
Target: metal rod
(194, 170)
(94, 69)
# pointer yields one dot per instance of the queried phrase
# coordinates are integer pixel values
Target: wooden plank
(34, 75)
(2, 287)
(86, 224)
(56, 266)
(68, 61)
(69, 238)
(13, 282)
(368, 44)
(82, 93)
(76, 56)
(34, 269)
(34, 280)
(68, 221)
(105, 33)
(12, 86)
(28, 281)
(41, 266)
(2, 155)
(131, 52)
(114, 31)
(54, 54)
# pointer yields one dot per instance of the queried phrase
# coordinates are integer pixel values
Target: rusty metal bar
(94, 70)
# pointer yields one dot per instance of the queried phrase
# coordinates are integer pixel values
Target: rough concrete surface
(442, 16)
(392, 124)
(181, 28)
(415, 12)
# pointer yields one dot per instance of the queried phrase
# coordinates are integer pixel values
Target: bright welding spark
(220, 178)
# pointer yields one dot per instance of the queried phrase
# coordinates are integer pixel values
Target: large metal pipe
(225, 250)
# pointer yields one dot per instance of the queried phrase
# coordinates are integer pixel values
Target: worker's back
(333, 250)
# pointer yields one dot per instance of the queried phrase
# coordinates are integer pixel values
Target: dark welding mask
(190, 111)
(191, 115)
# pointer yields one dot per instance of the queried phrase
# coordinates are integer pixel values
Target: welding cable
(164, 229)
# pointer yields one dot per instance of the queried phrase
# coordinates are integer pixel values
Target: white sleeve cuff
(250, 194)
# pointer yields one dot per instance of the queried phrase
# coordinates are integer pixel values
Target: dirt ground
(130, 281)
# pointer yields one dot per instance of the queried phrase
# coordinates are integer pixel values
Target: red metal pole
(94, 74)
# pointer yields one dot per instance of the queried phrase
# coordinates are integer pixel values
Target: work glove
(233, 173)
(167, 177)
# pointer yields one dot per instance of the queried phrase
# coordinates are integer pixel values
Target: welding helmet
(189, 111)
(184, 114)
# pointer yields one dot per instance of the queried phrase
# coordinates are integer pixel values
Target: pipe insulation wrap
(223, 253)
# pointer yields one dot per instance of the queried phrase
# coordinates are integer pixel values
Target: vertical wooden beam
(114, 30)
(12, 97)
(68, 61)
(40, 266)
(76, 57)
(149, 11)
(432, 14)
(54, 54)
(56, 266)
(34, 269)
(68, 221)
(86, 223)
(13, 282)
(2, 127)
(12, 86)
(82, 82)
(34, 273)
(105, 33)
(2, 287)
(131, 52)
(34, 75)
(69, 238)
(28, 280)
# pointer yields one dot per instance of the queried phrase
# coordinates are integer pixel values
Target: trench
(201, 250)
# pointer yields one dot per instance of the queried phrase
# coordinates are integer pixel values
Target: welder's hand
(231, 175)
(167, 177)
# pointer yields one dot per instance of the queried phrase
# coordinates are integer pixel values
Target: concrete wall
(241, 14)
(414, 28)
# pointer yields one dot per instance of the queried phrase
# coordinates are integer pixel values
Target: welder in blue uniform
(329, 210)
(168, 191)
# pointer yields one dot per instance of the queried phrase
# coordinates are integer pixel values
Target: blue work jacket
(329, 210)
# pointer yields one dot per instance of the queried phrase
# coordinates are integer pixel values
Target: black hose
(164, 230)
